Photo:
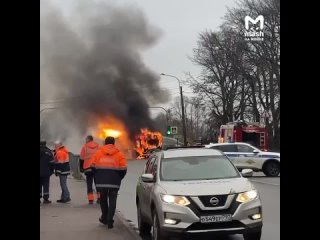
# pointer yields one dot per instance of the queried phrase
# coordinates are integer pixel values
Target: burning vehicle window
(154, 142)
(197, 168)
(149, 165)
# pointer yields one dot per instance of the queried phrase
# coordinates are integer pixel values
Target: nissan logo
(214, 201)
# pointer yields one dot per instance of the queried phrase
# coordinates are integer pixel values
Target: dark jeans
(90, 182)
(65, 194)
(89, 178)
(44, 187)
(108, 203)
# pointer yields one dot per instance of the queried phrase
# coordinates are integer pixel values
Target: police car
(246, 156)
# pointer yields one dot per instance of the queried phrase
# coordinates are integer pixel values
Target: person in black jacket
(46, 170)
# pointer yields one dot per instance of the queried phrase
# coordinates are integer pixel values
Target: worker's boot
(110, 225)
(46, 201)
(90, 198)
(102, 220)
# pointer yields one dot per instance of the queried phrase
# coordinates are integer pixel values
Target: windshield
(197, 168)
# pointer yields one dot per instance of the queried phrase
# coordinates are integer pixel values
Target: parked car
(245, 155)
(196, 191)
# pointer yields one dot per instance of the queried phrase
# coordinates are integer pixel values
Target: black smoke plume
(92, 59)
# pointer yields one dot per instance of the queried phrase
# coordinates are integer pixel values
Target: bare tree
(195, 112)
(241, 79)
(219, 54)
(195, 109)
(261, 65)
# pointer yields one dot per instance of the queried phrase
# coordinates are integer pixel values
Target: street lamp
(167, 115)
(182, 109)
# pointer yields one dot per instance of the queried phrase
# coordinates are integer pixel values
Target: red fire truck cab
(252, 133)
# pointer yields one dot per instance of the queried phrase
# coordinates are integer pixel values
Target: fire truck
(252, 133)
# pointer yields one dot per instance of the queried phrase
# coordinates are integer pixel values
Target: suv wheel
(252, 236)
(144, 228)
(157, 234)
(271, 169)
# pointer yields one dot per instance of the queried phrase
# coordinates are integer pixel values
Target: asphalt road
(269, 189)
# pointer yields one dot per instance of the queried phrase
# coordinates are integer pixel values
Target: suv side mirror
(256, 151)
(147, 177)
(247, 173)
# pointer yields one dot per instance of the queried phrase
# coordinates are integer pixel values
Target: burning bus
(146, 142)
(139, 148)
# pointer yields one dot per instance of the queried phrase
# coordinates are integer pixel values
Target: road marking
(273, 184)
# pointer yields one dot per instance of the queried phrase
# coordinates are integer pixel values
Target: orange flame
(112, 133)
(111, 126)
(147, 140)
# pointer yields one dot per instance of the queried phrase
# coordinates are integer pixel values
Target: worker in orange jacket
(110, 167)
(87, 151)
(62, 169)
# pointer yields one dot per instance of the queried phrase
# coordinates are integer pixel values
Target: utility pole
(184, 129)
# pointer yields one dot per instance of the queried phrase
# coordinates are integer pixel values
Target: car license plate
(216, 218)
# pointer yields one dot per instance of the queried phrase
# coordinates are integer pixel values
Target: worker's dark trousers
(89, 178)
(108, 203)
(44, 187)
(90, 182)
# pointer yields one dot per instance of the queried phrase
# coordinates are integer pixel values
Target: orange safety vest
(110, 167)
(61, 155)
(61, 159)
(87, 151)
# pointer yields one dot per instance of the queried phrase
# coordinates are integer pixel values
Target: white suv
(245, 155)
(194, 192)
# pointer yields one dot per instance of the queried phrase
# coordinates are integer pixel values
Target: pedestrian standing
(62, 169)
(46, 170)
(87, 151)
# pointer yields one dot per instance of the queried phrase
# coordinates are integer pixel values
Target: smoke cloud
(92, 60)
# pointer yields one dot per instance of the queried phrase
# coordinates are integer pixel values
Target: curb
(267, 183)
(130, 228)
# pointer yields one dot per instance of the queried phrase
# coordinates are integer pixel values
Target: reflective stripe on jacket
(110, 167)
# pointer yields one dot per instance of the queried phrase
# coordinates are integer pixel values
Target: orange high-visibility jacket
(110, 167)
(87, 151)
(61, 160)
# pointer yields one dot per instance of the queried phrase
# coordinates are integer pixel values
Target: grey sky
(180, 22)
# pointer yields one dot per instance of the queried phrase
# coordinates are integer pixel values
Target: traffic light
(168, 131)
